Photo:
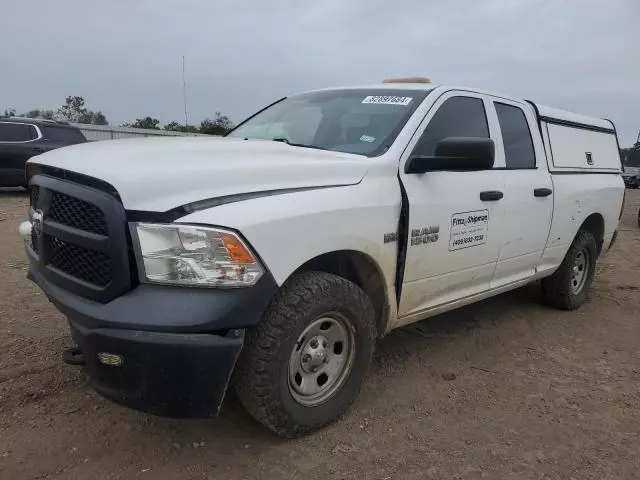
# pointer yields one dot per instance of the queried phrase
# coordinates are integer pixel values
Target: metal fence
(107, 132)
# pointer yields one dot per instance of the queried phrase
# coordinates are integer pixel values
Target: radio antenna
(184, 94)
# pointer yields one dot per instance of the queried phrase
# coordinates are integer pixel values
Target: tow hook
(73, 356)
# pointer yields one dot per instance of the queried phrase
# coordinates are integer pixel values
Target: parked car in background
(631, 177)
(23, 138)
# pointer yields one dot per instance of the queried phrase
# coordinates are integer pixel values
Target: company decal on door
(468, 229)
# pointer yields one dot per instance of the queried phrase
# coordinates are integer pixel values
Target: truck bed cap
(563, 115)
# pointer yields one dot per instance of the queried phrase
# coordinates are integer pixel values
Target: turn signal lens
(237, 251)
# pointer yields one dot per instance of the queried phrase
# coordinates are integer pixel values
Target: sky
(125, 56)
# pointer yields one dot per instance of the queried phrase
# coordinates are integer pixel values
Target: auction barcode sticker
(387, 100)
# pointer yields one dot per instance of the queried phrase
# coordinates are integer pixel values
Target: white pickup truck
(274, 259)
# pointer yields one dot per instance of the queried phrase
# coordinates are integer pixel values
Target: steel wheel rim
(580, 271)
(321, 359)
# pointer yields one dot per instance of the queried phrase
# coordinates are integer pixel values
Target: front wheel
(304, 363)
(568, 287)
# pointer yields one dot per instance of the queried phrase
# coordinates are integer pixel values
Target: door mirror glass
(455, 154)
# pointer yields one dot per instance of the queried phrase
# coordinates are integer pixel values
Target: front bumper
(176, 346)
(176, 375)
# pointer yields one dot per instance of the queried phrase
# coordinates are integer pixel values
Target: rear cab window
(516, 137)
(63, 134)
(360, 121)
(17, 132)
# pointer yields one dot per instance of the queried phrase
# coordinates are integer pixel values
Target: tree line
(218, 125)
(74, 110)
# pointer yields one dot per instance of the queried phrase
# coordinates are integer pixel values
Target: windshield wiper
(286, 140)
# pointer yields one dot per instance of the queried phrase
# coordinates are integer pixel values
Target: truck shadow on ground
(494, 312)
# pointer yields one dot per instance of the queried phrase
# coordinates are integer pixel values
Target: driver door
(455, 217)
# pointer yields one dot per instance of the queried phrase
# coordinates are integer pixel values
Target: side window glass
(15, 132)
(63, 134)
(516, 137)
(456, 117)
(33, 133)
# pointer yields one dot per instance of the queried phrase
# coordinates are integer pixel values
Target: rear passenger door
(454, 235)
(528, 196)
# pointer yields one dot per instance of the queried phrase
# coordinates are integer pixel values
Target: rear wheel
(304, 363)
(568, 287)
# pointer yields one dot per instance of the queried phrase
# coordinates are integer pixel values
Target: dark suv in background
(631, 176)
(23, 138)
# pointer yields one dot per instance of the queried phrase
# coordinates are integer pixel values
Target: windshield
(361, 121)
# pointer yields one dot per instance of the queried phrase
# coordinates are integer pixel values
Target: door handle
(491, 195)
(542, 192)
(39, 149)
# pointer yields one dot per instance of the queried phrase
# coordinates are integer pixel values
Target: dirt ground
(506, 388)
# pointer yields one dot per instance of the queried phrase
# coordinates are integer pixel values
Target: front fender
(288, 230)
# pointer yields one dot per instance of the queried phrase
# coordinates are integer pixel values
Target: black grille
(89, 265)
(80, 240)
(35, 193)
(34, 240)
(77, 213)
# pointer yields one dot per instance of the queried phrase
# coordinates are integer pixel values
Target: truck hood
(158, 174)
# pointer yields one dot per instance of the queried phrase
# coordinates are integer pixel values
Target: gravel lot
(506, 388)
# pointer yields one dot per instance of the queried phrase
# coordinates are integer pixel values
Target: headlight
(194, 256)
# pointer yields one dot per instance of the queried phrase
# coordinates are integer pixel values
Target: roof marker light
(407, 80)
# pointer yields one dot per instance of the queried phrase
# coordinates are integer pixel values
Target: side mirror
(455, 154)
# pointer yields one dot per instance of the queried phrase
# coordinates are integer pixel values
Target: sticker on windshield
(387, 100)
(468, 229)
(367, 138)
